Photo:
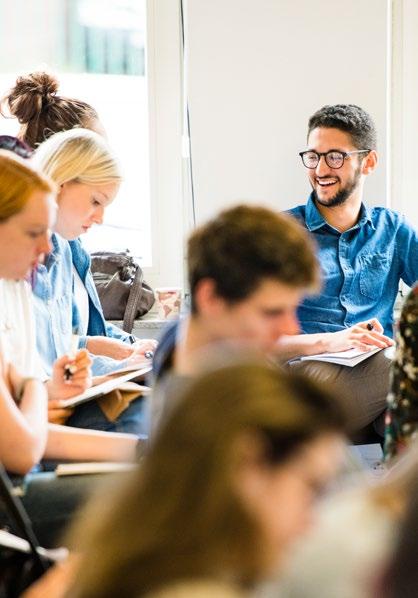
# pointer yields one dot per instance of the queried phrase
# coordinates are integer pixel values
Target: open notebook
(350, 358)
(112, 381)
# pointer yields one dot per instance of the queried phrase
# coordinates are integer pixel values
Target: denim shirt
(361, 268)
(56, 311)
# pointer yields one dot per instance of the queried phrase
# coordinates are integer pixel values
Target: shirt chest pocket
(374, 269)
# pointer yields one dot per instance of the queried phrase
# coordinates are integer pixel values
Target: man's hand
(62, 387)
(364, 336)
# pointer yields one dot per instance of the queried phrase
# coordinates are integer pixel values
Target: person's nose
(322, 168)
(45, 245)
(290, 324)
(98, 215)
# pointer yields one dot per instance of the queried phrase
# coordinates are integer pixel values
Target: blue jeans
(134, 420)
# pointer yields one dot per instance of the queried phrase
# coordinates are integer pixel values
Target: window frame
(163, 73)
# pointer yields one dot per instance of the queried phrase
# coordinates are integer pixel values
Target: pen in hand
(70, 368)
(369, 326)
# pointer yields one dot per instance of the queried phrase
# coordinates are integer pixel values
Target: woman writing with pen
(27, 211)
(88, 176)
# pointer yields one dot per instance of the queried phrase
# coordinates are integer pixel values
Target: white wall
(257, 70)
(16, 22)
(404, 188)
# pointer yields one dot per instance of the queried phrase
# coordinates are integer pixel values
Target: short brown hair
(246, 244)
(350, 119)
(41, 112)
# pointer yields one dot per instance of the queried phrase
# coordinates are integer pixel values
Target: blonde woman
(88, 176)
(27, 211)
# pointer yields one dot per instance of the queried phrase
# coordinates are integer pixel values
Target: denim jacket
(56, 311)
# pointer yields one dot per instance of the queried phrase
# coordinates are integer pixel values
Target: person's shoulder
(166, 344)
(390, 220)
(15, 288)
(169, 333)
(298, 212)
(380, 213)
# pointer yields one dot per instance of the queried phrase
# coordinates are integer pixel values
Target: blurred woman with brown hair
(229, 482)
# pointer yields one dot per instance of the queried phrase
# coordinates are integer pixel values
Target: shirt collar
(314, 219)
(54, 256)
(365, 216)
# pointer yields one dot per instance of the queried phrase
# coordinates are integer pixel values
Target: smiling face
(25, 236)
(334, 186)
(80, 206)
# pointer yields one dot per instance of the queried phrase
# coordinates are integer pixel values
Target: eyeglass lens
(333, 159)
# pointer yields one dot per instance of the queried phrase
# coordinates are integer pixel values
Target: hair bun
(40, 83)
(30, 94)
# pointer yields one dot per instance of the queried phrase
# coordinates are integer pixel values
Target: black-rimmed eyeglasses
(13, 144)
(333, 158)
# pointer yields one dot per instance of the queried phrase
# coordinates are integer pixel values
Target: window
(97, 50)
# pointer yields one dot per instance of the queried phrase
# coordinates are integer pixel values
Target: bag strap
(21, 519)
(135, 295)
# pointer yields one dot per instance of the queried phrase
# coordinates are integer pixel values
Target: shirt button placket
(345, 266)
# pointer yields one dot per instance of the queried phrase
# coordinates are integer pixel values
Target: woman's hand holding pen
(71, 375)
(364, 336)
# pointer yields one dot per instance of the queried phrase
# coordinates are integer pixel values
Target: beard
(342, 195)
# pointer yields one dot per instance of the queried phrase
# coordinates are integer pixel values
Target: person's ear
(252, 473)
(59, 193)
(369, 162)
(207, 301)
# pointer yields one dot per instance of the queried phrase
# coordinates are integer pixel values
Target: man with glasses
(364, 252)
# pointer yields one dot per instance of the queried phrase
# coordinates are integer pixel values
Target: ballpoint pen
(70, 368)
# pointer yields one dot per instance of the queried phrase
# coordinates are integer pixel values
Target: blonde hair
(79, 156)
(18, 180)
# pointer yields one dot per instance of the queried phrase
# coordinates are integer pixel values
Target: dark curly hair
(348, 118)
